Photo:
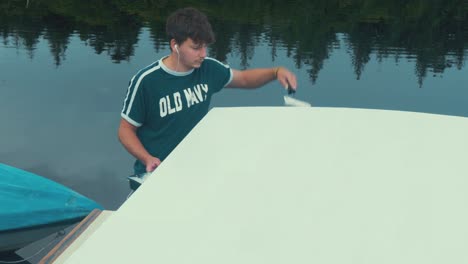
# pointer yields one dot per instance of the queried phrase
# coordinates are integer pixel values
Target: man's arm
(129, 139)
(255, 78)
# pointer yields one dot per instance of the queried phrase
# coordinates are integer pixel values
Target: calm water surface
(63, 75)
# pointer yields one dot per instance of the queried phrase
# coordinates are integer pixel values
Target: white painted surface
(299, 185)
(81, 238)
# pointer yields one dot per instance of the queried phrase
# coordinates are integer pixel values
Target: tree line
(432, 32)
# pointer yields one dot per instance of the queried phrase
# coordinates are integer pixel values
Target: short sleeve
(220, 73)
(134, 103)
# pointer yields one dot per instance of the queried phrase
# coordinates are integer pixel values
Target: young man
(169, 97)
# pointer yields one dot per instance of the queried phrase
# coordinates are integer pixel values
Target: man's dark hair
(189, 23)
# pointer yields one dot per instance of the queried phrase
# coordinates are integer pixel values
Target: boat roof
(299, 185)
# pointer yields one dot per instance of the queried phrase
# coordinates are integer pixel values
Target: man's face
(192, 54)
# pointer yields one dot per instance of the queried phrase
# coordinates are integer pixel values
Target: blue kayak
(33, 207)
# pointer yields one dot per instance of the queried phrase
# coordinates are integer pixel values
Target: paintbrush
(289, 100)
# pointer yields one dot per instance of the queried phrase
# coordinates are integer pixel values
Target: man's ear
(174, 45)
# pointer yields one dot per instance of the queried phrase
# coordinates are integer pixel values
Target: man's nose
(203, 52)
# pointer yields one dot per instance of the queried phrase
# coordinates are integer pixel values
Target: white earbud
(176, 48)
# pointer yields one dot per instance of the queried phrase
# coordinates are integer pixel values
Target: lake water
(64, 71)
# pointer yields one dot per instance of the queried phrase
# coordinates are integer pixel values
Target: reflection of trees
(361, 46)
(244, 42)
(118, 42)
(433, 32)
(58, 31)
(158, 35)
(20, 27)
(102, 25)
(222, 46)
(305, 31)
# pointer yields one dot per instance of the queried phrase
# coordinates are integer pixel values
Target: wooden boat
(33, 207)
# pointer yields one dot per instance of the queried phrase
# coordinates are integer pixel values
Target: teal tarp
(28, 200)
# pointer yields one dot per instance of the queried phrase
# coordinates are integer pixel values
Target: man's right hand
(152, 163)
(129, 139)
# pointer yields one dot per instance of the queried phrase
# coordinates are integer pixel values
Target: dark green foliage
(428, 30)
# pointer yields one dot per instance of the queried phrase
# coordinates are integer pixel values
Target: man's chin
(197, 64)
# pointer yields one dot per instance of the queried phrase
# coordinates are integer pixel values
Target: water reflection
(432, 33)
(65, 64)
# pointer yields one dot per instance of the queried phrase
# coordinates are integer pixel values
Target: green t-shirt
(165, 105)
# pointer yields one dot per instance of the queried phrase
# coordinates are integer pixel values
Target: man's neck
(173, 63)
